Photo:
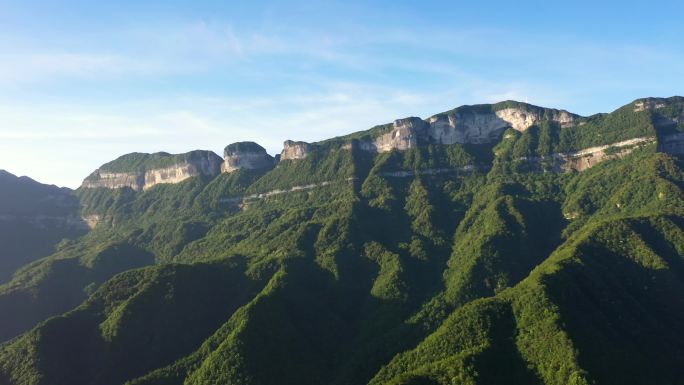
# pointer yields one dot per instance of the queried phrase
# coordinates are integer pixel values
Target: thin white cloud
(335, 86)
(204, 47)
(32, 67)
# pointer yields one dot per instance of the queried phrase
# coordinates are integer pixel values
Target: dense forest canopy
(441, 264)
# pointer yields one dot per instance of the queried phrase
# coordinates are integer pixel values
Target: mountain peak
(247, 155)
(295, 150)
(243, 147)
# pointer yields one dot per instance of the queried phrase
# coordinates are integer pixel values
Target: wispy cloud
(209, 47)
(45, 66)
(203, 84)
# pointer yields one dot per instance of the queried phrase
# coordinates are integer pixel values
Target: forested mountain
(489, 244)
(34, 217)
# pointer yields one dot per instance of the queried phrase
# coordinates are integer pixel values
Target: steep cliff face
(142, 171)
(521, 118)
(295, 150)
(464, 126)
(209, 166)
(405, 135)
(248, 155)
(112, 180)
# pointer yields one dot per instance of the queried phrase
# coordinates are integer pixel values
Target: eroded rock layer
(295, 150)
(463, 127)
(142, 171)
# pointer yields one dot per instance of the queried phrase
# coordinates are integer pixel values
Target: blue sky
(82, 82)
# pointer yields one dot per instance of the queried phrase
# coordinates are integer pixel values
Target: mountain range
(490, 244)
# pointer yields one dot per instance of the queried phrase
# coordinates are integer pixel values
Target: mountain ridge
(467, 124)
(46, 213)
(474, 263)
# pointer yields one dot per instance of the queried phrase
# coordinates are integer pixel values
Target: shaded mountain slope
(34, 218)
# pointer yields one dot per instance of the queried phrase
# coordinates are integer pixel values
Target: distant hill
(34, 217)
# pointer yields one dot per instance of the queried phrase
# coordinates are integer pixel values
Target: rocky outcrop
(114, 180)
(405, 135)
(179, 172)
(462, 127)
(295, 150)
(521, 119)
(466, 128)
(589, 157)
(247, 155)
(91, 220)
(157, 169)
(648, 104)
(467, 124)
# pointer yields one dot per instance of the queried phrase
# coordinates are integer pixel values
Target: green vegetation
(622, 124)
(243, 147)
(60, 282)
(319, 166)
(110, 335)
(381, 271)
(34, 218)
(368, 134)
(669, 114)
(137, 161)
(490, 108)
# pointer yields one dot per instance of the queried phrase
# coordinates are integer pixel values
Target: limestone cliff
(247, 155)
(405, 135)
(648, 104)
(141, 171)
(209, 166)
(472, 124)
(465, 125)
(295, 150)
(112, 180)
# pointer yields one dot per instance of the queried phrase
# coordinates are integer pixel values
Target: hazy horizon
(81, 83)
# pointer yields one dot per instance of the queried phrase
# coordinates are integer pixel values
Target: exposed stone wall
(404, 135)
(208, 165)
(642, 105)
(182, 171)
(114, 180)
(460, 128)
(521, 120)
(254, 158)
(465, 128)
(295, 150)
